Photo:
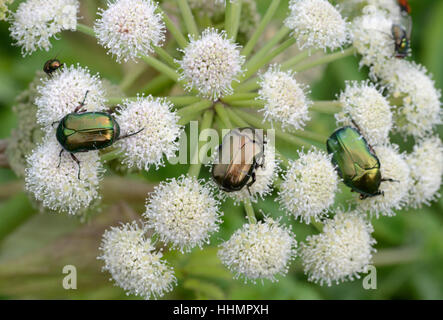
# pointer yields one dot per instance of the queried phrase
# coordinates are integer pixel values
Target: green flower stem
(248, 103)
(221, 112)
(131, 76)
(239, 96)
(250, 85)
(181, 101)
(188, 18)
(266, 59)
(235, 19)
(329, 107)
(228, 17)
(157, 85)
(85, 29)
(194, 168)
(317, 225)
(14, 212)
(236, 120)
(166, 57)
(161, 67)
(283, 32)
(249, 211)
(298, 58)
(174, 30)
(396, 256)
(261, 27)
(194, 108)
(256, 122)
(111, 155)
(326, 59)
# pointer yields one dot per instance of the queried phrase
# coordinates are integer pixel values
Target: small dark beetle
(52, 65)
(82, 131)
(356, 162)
(239, 155)
(401, 41)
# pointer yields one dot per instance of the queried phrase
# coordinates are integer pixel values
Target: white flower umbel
(317, 24)
(418, 110)
(340, 252)
(134, 263)
(395, 193)
(260, 250)
(36, 21)
(159, 135)
(183, 212)
(58, 187)
(130, 28)
(309, 186)
(367, 107)
(265, 176)
(64, 91)
(426, 163)
(372, 36)
(285, 99)
(211, 63)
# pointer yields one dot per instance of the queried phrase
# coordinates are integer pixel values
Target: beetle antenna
(130, 134)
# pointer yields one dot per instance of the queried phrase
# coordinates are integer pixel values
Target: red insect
(404, 6)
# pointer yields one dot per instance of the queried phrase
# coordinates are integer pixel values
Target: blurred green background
(34, 252)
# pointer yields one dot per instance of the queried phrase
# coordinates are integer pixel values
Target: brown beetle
(239, 155)
(51, 65)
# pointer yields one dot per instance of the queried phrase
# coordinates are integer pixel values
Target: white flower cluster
(58, 186)
(211, 63)
(368, 108)
(419, 109)
(309, 186)
(183, 212)
(130, 28)
(285, 99)
(317, 24)
(340, 252)
(133, 262)
(260, 250)
(159, 135)
(64, 91)
(426, 163)
(36, 21)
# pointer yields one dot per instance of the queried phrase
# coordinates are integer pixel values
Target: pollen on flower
(340, 252)
(265, 176)
(368, 108)
(58, 186)
(183, 212)
(134, 263)
(309, 186)
(130, 28)
(418, 110)
(426, 163)
(211, 63)
(372, 36)
(36, 21)
(393, 166)
(158, 136)
(317, 24)
(64, 91)
(261, 250)
(285, 99)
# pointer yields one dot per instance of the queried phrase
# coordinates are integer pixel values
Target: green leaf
(204, 289)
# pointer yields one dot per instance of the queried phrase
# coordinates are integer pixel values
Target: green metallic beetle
(356, 162)
(401, 41)
(82, 131)
(239, 155)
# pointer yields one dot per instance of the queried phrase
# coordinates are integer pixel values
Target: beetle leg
(60, 157)
(82, 104)
(389, 180)
(78, 162)
(52, 124)
(129, 135)
(251, 183)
